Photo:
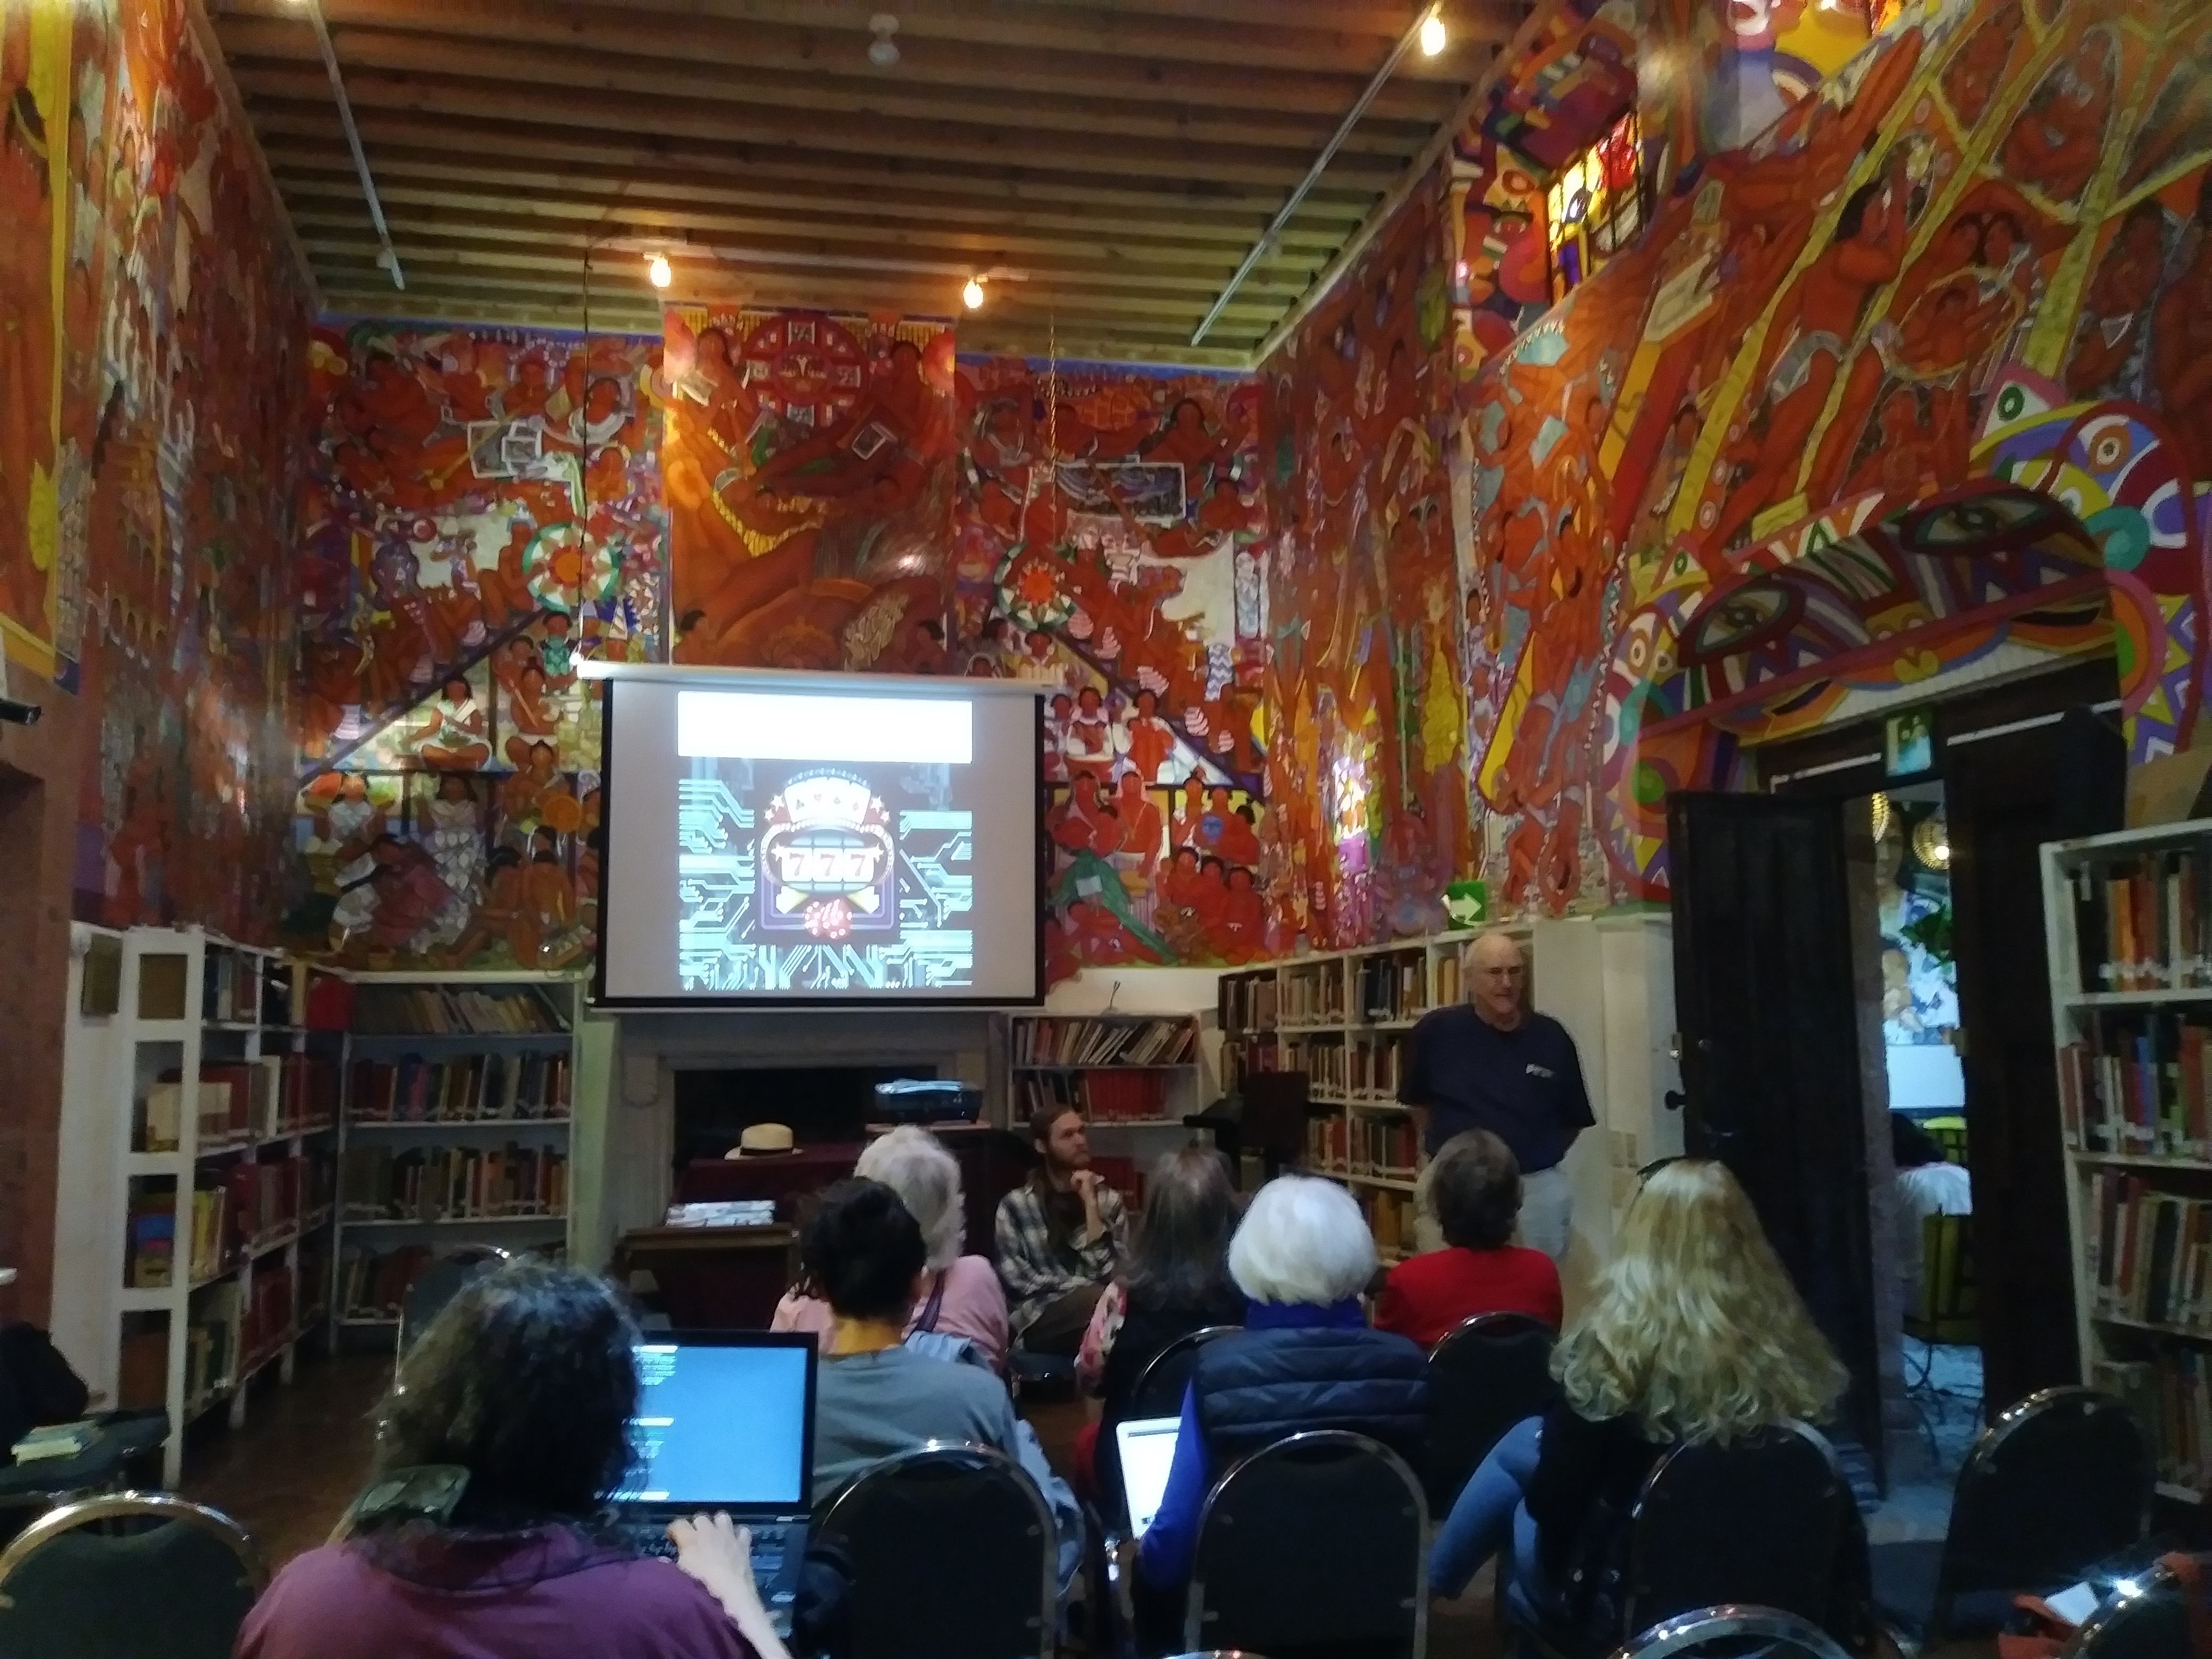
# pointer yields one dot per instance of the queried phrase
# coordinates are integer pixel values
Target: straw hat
(764, 1140)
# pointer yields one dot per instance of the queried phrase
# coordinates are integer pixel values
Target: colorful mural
(1366, 768)
(1112, 544)
(1972, 260)
(483, 509)
(152, 337)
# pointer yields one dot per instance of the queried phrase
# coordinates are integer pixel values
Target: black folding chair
(2146, 1617)
(444, 1276)
(1314, 1548)
(134, 1576)
(951, 1552)
(2057, 1484)
(1765, 1521)
(1767, 1630)
(1157, 1392)
(1490, 1373)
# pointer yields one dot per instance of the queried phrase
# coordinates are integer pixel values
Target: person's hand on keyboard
(720, 1556)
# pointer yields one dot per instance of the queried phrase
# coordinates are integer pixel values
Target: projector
(927, 1100)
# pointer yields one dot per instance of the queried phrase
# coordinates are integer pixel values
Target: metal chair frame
(1688, 1631)
(932, 1452)
(407, 1332)
(1193, 1606)
(1188, 1342)
(134, 1505)
(1499, 1322)
(2160, 1580)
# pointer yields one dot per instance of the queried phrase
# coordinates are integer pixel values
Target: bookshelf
(1135, 1077)
(459, 1093)
(2128, 921)
(1342, 1018)
(199, 1082)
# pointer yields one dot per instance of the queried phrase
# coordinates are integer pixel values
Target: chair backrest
(1159, 1387)
(161, 1578)
(1737, 1626)
(951, 1552)
(1950, 1306)
(2147, 1617)
(1758, 1522)
(1491, 1371)
(1315, 1544)
(2057, 1484)
(442, 1278)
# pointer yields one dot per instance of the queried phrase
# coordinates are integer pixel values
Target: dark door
(2003, 797)
(1768, 1009)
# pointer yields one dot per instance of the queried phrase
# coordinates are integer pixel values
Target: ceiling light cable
(389, 259)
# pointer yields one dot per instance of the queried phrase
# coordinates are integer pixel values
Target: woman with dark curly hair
(520, 1394)
(1472, 1188)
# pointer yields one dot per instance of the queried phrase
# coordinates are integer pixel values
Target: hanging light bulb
(1432, 32)
(659, 271)
(972, 295)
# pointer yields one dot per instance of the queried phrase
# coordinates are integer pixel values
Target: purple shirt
(546, 1594)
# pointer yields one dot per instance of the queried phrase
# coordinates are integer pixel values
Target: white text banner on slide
(775, 726)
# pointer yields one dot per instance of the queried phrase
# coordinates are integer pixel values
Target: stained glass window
(1596, 205)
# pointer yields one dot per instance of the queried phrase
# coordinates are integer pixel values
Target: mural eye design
(2015, 400)
(1752, 614)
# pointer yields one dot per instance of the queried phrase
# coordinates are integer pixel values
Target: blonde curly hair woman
(1695, 1334)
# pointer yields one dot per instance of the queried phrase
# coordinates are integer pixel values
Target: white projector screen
(820, 838)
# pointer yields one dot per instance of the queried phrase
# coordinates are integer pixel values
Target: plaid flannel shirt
(1036, 1267)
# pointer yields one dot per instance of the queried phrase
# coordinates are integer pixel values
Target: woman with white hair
(961, 1296)
(1304, 1360)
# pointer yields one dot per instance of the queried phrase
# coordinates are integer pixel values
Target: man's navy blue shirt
(1524, 1085)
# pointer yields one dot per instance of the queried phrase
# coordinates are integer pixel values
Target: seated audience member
(1060, 1237)
(1696, 1335)
(1926, 1185)
(876, 1397)
(1306, 1359)
(528, 1381)
(960, 1295)
(1176, 1282)
(1473, 1187)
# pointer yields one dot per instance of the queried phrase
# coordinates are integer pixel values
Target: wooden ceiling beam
(837, 29)
(461, 105)
(254, 44)
(1076, 237)
(518, 169)
(1101, 265)
(1325, 93)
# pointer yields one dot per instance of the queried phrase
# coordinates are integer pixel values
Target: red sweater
(1426, 1296)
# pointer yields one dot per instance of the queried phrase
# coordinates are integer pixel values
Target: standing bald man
(1492, 1064)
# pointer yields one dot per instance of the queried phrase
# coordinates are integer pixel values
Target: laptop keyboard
(777, 1550)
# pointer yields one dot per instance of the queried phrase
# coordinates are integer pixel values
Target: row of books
(1125, 1176)
(151, 1261)
(2142, 1088)
(412, 1090)
(1102, 1096)
(240, 1210)
(1393, 987)
(2141, 922)
(1167, 1042)
(1368, 1068)
(237, 1100)
(438, 1184)
(373, 1283)
(1381, 1145)
(1312, 996)
(441, 1011)
(2171, 1395)
(1448, 980)
(1390, 1219)
(239, 988)
(2149, 1253)
(1246, 1003)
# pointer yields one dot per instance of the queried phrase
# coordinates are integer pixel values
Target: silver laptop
(1147, 1446)
(726, 1421)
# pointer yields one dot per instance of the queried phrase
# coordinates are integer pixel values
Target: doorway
(1927, 979)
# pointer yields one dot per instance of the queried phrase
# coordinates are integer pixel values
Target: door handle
(1674, 1100)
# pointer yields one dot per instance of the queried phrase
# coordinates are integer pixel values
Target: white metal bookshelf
(2130, 968)
(1342, 1017)
(1135, 1107)
(375, 1223)
(196, 1017)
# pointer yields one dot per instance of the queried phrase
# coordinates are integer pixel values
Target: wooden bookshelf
(1135, 1077)
(202, 1108)
(2128, 921)
(459, 1096)
(1342, 1018)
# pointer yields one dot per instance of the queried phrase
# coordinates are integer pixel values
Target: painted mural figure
(2117, 310)
(26, 339)
(2181, 346)
(2056, 144)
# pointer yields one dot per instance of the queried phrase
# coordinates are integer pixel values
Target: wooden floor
(304, 1453)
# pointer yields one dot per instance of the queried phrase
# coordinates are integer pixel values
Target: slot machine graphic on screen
(780, 836)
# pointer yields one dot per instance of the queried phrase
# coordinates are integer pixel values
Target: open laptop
(1147, 1446)
(726, 1421)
